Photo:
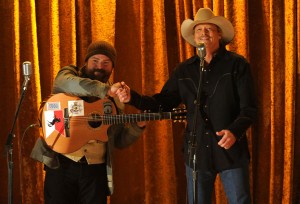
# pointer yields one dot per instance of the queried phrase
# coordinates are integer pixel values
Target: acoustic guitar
(69, 122)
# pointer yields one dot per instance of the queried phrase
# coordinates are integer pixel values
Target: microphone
(201, 50)
(27, 71)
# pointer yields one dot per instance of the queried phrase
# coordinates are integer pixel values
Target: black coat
(227, 102)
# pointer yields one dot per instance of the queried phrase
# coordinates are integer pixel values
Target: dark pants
(75, 183)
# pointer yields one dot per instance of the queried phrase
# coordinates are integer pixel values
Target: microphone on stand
(27, 71)
(201, 50)
(193, 146)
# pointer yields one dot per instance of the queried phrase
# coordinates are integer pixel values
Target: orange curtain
(146, 34)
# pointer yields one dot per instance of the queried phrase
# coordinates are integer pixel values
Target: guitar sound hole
(94, 120)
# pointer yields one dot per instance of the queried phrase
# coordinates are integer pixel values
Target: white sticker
(76, 108)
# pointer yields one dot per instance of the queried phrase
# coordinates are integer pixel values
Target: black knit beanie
(101, 47)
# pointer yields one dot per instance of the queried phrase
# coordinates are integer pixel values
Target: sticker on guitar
(54, 115)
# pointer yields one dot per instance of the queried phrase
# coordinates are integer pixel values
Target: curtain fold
(290, 52)
(146, 34)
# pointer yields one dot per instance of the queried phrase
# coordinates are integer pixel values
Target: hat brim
(187, 28)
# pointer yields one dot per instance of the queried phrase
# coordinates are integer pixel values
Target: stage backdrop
(146, 34)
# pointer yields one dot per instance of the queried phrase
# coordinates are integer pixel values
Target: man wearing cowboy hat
(216, 126)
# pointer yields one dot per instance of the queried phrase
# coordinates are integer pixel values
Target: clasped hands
(122, 91)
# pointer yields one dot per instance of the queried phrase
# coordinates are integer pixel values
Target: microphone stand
(193, 144)
(9, 145)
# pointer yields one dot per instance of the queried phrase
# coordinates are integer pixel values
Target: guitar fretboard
(130, 118)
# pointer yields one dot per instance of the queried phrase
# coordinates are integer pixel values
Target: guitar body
(69, 122)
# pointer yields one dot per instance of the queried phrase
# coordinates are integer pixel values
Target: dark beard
(99, 75)
(96, 74)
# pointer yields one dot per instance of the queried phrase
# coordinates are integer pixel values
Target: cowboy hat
(205, 15)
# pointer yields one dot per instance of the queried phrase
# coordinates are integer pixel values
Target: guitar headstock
(179, 114)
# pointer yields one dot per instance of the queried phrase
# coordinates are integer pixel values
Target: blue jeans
(235, 183)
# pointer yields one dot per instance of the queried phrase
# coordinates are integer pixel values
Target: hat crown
(101, 47)
(204, 14)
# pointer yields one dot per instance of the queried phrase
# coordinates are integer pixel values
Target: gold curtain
(146, 34)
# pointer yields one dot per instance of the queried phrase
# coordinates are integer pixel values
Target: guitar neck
(131, 118)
